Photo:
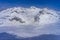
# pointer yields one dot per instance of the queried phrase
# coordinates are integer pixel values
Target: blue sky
(53, 4)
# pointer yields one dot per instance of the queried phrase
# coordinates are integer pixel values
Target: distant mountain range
(6, 36)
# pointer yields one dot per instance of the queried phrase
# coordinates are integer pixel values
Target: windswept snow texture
(29, 22)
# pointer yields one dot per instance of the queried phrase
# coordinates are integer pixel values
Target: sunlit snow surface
(30, 22)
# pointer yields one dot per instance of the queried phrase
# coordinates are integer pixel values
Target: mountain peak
(30, 15)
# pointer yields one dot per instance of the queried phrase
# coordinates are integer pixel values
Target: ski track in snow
(29, 22)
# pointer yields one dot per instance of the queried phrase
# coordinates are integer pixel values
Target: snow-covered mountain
(29, 22)
(27, 16)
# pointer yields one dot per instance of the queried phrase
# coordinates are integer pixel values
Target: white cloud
(29, 22)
